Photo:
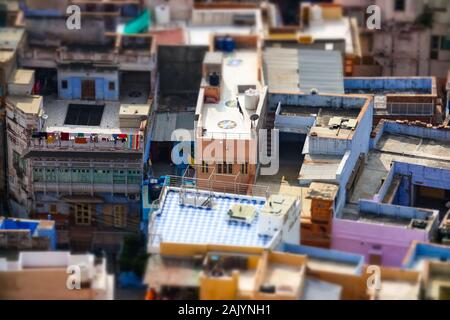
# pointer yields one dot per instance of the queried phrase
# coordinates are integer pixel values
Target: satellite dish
(45, 116)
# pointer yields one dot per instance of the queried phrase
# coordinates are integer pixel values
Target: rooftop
(25, 224)
(10, 38)
(390, 85)
(57, 109)
(420, 252)
(282, 274)
(437, 280)
(27, 104)
(223, 119)
(21, 76)
(401, 148)
(178, 223)
(333, 29)
(398, 284)
(165, 124)
(303, 70)
(328, 115)
(209, 21)
(324, 191)
(392, 215)
(328, 260)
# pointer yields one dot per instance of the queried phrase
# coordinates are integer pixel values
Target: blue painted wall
(326, 254)
(102, 90)
(370, 85)
(425, 251)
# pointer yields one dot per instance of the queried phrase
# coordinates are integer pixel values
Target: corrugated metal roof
(300, 69)
(321, 70)
(166, 123)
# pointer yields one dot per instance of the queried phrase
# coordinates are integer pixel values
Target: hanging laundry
(51, 138)
(133, 141)
(123, 136)
(115, 136)
(80, 140)
(64, 136)
(36, 135)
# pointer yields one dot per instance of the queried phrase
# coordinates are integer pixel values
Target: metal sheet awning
(166, 123)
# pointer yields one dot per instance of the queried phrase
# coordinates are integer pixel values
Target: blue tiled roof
(185, 224)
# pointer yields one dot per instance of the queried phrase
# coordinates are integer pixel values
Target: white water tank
(251, 99)
(316, 14)
(162, 14)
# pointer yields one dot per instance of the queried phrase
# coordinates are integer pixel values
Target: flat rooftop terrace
(223, 118)
(187, 224)
(390, 85)
(56, 110)
(333, 29)
(351, 213)
(400, 148)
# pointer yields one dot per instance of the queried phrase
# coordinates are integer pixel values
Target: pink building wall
(360, 238)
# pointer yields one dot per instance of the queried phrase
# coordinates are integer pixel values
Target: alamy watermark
(374, 20)
(73, 281)
(73, 21)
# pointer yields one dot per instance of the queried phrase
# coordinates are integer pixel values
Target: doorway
(88, 89)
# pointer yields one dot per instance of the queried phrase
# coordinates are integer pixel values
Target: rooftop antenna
(239, 106)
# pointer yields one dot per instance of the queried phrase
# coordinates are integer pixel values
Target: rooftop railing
(87, 143)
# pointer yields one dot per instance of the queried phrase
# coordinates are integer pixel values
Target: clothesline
(133, 140)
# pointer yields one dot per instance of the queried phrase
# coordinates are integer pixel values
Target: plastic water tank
(162, 14)
(251, 99)
(229, 44)
(214, 79)
(316, 14)
(220, 43)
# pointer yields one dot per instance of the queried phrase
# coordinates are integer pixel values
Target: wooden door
(88, 90)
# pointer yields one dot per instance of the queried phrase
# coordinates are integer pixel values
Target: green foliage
(134, 255)
(425, 19)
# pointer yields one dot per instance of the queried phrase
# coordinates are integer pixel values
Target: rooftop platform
(326, 260)
(208, 21)
(188, 224)
(320, 115)
(27, 104)
(390, 215)
(303, 70)
(420, 252)
(391, 85)
(338, 28)
(223, 119)
(400, 148)
(56, 110)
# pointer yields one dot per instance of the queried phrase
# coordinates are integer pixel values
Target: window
(225, 168)
(53, 209)
(204, 167)
(435, 42)
(82, 214)
(399, 5)
(64, 84)
(120, 217)
(445, 43)
(244, 168)
(112, 86)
